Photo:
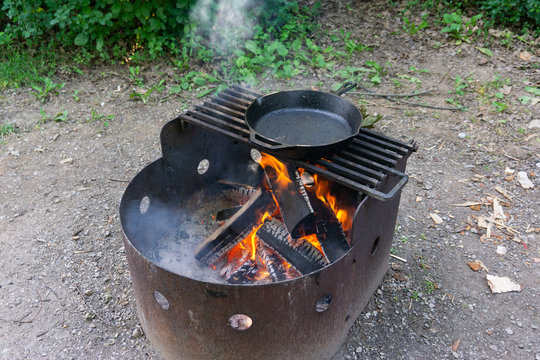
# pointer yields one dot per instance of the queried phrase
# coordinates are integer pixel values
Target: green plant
(134, 72)
(61, 116)
(404, 239)
(459, 28)
(411, 28)
(46, 89)
(429, 285)
(95, 116)
(76, 95)
(6, 129)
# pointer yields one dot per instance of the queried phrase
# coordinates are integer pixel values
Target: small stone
(89, 316)
(509, 331)
(493, 347)
(524, 180)
(359, 349)
(455, 354)
(501, 250)
(462, 135)
(88, 292)
(137, 332)
(535, 124)
(534, 327)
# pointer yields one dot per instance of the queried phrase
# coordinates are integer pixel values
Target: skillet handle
(348, 86)
(265, 143)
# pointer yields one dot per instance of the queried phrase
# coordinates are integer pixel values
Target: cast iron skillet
(303, 124)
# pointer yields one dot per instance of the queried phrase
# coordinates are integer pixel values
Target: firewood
(304, 258)
(235, 229)
(293, 202)
(329, 230)
(225, 214)
(273, 264)
(245, 274)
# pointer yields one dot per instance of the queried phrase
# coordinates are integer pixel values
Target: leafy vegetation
(6, 129)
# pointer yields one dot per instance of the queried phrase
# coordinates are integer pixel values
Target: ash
(174, 250)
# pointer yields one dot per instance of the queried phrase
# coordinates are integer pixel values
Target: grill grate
(365, 165)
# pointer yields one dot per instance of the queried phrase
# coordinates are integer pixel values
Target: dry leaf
(476, 207)
(501, 284)
(477, 266)
(525, 56)
(509, 171)
(455, 345)
(524, 180)
(506, 89)
(418, 198)
(501, 250)
(436, 218)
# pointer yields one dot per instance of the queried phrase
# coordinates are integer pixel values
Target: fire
(283, 179)
(248, 248)
(322, 191)
(312, 239)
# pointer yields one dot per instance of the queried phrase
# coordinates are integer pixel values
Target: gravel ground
(65, 287)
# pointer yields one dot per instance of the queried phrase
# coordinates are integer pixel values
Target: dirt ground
(65, 287)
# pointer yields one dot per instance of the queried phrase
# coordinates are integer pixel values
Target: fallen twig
(88, 306)
(398, 258)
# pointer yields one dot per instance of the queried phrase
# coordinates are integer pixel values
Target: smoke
(225, 23)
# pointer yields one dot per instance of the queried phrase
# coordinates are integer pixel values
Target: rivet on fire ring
(240, 322)
(203, 166)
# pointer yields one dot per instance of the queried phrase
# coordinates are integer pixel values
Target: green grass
(23, 68)
(6, 129)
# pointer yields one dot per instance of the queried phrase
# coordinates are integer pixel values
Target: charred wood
(235, 229)
(329, 230)
(245, 274)
(304, 258)
(293, 201)
(273, 264)
(225, 214)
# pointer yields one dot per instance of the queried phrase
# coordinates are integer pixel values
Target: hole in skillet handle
(348, 86)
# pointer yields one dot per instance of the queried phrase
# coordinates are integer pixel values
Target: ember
(252, 248)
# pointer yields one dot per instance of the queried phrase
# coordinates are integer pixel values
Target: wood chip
(536, 260)
(498, 212)
(503, 192)
(501, 284)
(524, 181)
(455, 345)
(469, 203)
(436, 218)
(66, 161)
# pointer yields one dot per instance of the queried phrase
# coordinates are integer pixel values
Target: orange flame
(312, 239)
(322, 191)
(283, 179)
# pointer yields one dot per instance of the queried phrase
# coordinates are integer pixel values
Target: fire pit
(227, 264)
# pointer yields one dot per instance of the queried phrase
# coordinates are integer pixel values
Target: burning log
(245, 274)
(225, 214)
(329, 230)
(305, 258)
(291, 196)
(273, 264)
(235, 229)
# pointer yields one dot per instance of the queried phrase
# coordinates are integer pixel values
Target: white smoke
(230, 25)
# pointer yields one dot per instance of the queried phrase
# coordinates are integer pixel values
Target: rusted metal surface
(304, 318)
